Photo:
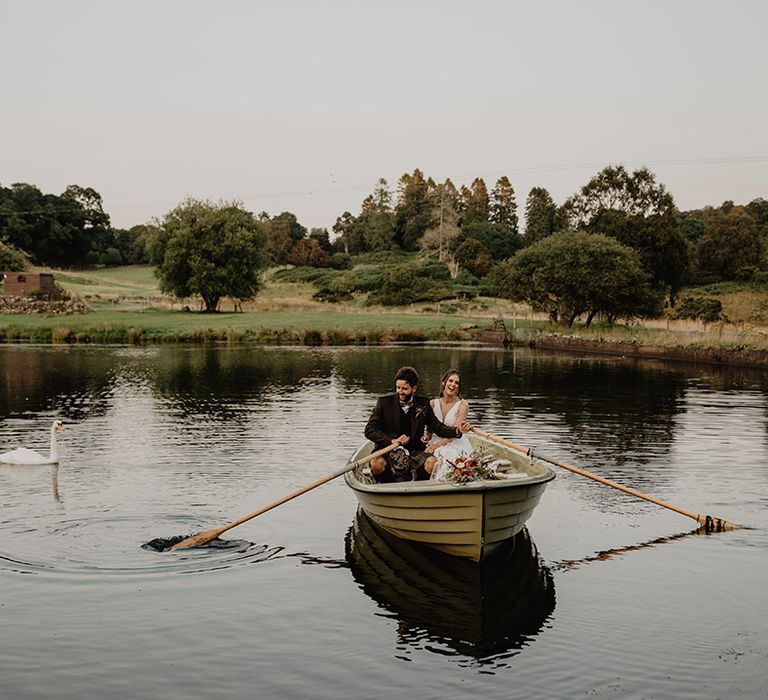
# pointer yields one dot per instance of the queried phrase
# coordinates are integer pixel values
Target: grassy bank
(127, 307)
(169, 326)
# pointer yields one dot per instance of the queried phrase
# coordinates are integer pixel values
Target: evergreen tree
(540, 215)
(376, 219)
(503, 205)
(413, 210)
(476, 202)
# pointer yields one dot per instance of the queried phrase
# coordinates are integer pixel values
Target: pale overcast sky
(301, 106)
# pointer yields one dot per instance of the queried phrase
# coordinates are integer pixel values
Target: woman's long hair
(445, 377)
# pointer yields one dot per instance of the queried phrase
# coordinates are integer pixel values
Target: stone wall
(27, 305)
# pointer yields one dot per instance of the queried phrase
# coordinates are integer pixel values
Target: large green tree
(569, 274)
(283, 232)
(638, 212)
(500, 241)
(56, 230)
(731, 246)
(209, 249)
(758, 210)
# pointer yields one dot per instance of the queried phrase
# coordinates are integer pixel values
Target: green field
(126, 306)
(110, 282)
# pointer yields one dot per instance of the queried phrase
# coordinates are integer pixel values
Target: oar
(710, 523)
(202, 538)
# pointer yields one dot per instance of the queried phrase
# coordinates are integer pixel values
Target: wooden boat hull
(469, 520)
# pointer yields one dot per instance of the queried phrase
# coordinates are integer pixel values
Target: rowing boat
(468, 520)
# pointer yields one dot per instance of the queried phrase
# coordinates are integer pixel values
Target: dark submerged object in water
(163, 544)
(481, 610)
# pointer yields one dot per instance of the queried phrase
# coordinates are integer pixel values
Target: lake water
(604, 595)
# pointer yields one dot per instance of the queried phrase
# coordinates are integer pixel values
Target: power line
(527, 170)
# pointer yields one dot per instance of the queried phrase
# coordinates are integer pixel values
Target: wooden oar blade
(199, 539)
(717, 524)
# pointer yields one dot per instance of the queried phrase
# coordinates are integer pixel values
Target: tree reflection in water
(450, 605)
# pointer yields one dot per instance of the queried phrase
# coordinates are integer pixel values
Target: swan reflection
(450, 605)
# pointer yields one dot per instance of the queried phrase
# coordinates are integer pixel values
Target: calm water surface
(603, 595)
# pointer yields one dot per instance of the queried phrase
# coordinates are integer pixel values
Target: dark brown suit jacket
(384, 424)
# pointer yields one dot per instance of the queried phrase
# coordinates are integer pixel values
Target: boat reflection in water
(451, 605)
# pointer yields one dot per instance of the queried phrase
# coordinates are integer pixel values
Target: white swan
(22, 455)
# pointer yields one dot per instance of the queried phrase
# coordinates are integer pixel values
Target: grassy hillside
(110, 282)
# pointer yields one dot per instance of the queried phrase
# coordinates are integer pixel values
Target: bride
(450, 409)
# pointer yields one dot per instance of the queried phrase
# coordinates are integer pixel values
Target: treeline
(618, 247)
(67, 230)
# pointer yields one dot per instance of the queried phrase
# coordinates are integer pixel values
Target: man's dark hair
(408, 374)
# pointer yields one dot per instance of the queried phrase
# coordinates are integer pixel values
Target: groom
(401, 418)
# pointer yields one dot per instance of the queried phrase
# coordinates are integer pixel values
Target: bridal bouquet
(471, 467)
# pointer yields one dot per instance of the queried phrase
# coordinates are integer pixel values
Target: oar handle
(204, 537)
(349, 466)
(708, 521)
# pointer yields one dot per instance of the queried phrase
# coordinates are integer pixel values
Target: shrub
(341, 261)
(434, 270)
(405, 286)
(465, 277)
(12, 258)
(332, 296)
(707, 309)
(359, 280)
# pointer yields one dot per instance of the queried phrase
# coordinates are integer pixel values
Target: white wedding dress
(455, 448)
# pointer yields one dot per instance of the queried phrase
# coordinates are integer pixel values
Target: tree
(638, 212)
(540, 215)
(64, 230)
(476, 202)
(376, 219)
(322, 236)
(569, 274)
(209, 249)
(503, 205)
(132, 243)
(758, 210)
(445, 220)
(474, 256)
(308, 252)
(731, 246)
(414, 209)
(500, 242)
(613, 188)
(349, 234)
(91, 233)
(284, 231)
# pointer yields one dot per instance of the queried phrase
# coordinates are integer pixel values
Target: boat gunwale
(425, 487)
